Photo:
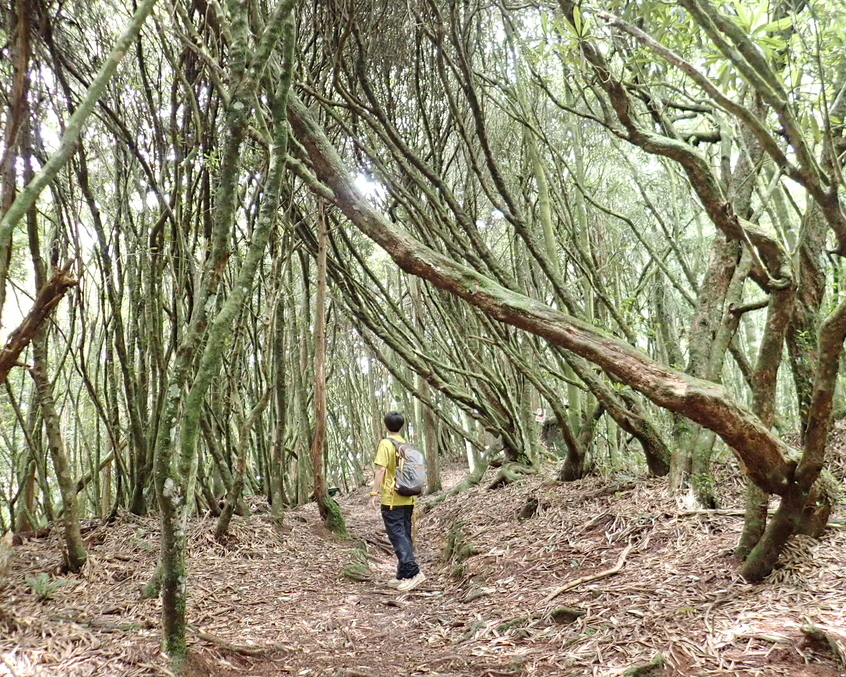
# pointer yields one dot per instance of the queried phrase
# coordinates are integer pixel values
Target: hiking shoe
(394, 582)
(411, 583)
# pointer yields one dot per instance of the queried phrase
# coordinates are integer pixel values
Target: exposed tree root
(511, 472)
(358, 567)
(589, 579)
(153, 587)
(470, 481)
(333, 517)
(529, 509)
(564, 615)
(239, 648)
(825, 641)
(458, 548)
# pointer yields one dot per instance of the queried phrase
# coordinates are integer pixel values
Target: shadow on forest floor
(504, 595)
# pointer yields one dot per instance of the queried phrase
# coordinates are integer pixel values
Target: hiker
(397, 510)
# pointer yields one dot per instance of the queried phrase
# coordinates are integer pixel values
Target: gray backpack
(411, 469)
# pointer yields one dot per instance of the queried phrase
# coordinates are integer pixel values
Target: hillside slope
(505, 595)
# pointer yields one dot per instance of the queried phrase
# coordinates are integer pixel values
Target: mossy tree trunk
(19, 30)
(328, 508)
(75, 553)
(279, 453)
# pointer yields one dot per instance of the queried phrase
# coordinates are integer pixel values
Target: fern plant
(43, 587)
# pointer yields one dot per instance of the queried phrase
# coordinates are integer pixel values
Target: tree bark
(279, 455)
(175, 474)
(75, 555)
(45, 303)
(19, 31)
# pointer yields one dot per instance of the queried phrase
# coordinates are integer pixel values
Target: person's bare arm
(376, 492)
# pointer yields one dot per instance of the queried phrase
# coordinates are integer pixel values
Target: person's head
(394, 421)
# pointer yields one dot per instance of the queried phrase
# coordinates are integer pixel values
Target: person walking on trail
(397, 510)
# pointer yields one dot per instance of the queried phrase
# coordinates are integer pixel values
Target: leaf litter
(605, 576)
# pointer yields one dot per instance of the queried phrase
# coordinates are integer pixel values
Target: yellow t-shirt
(386, 457)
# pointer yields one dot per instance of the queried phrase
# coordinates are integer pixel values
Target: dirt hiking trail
(600, 577)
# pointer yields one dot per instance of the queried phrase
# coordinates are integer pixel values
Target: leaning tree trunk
(805, 507)
(764, 384)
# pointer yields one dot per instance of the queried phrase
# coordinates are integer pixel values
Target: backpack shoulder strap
(397, 448)
(401, 449)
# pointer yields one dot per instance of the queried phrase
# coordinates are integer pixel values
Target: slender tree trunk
(235, 490)
(466, 423)
(19, 31)
(75, 554)
(704, 328)
(279, 456)
(764, 389)
(431, 433)
(24, 515)
(139, 453)
(329, 509)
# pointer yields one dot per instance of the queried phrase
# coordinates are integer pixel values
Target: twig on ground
(8, 667)
(593, 577)
(240, 649)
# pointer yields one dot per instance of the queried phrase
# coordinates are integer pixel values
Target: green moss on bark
(333, 518)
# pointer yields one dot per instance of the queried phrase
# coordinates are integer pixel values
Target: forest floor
(275, 601)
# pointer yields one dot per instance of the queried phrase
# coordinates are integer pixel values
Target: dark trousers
(398, 525)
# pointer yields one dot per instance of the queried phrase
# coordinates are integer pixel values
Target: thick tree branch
(46, 301)
(808, 174)
(695, 165)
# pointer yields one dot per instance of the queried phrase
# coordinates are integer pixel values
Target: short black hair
(394, 421)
